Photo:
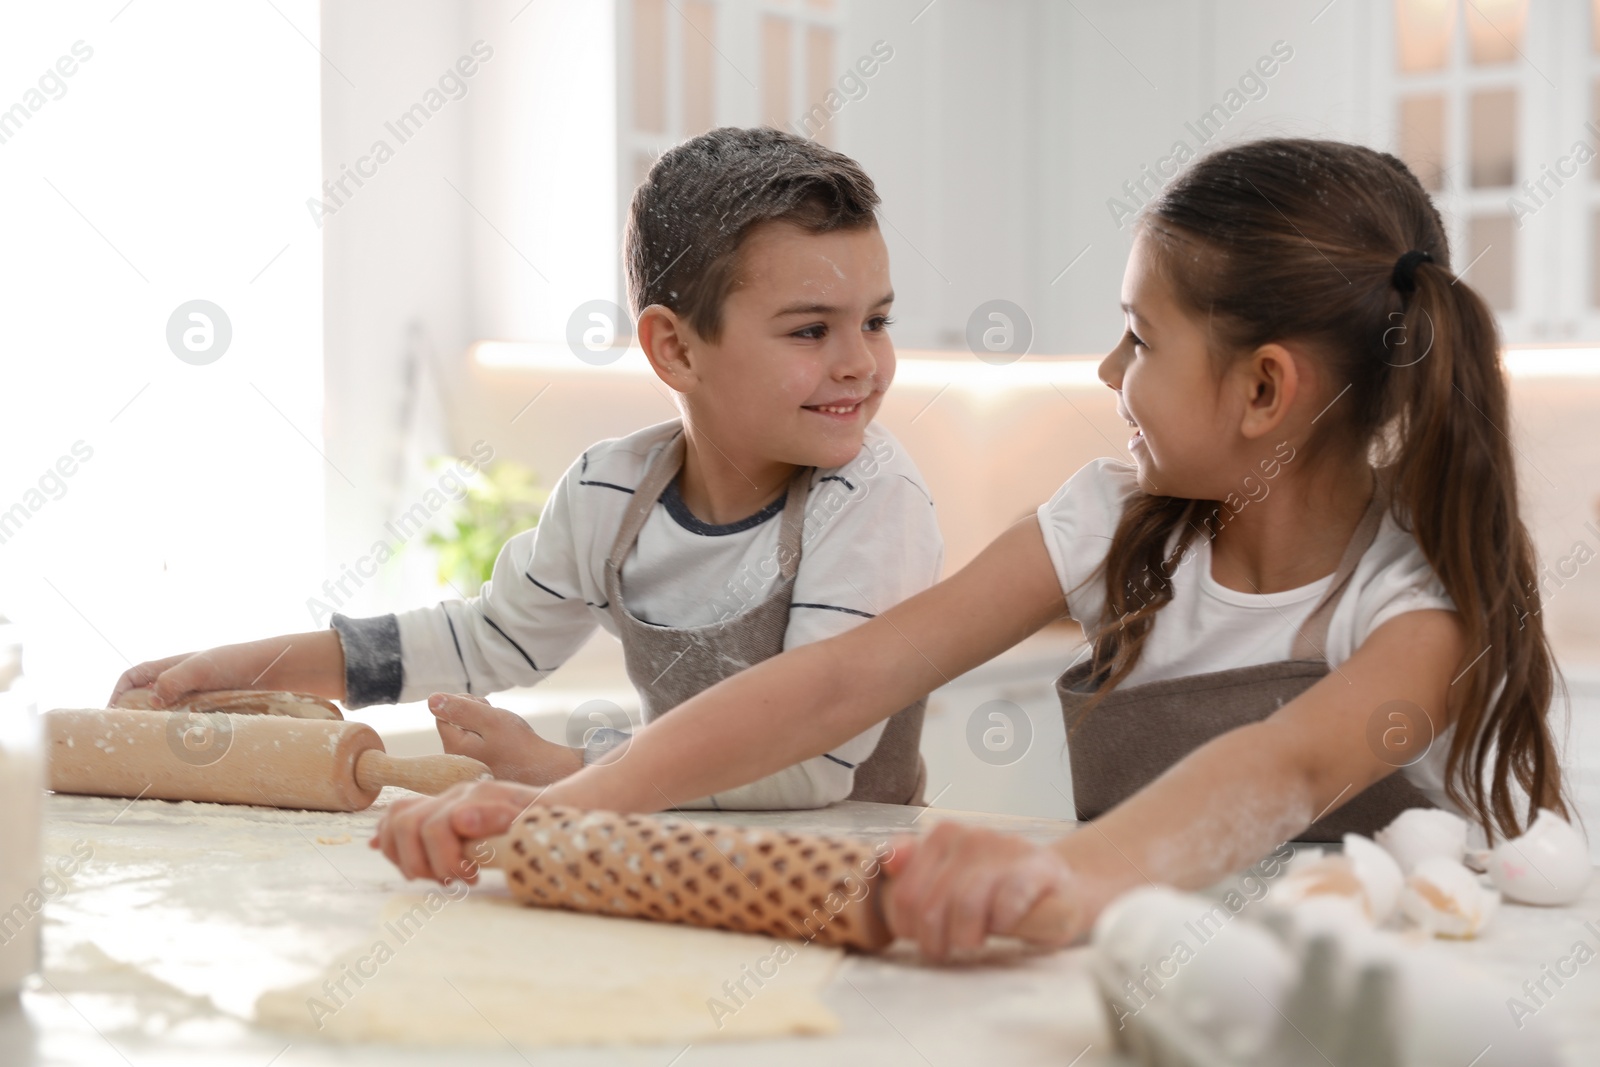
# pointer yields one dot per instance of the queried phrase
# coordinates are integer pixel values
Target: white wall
(172, 167)
(998, 133)
(494, 220)
(394, 255)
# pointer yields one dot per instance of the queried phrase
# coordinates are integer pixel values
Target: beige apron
(1136, 733)
(668, 665)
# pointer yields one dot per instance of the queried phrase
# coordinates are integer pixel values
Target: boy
(771, 515)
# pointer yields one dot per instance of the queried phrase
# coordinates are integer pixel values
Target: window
(776, 73)
(1422, 137)
(819, 81)
(1423, 32)
(1491, 254)
(671, 61)
(1594, 252)
(699, 72)
(1460, 94)
(1493, 134)
(687, 66)
(1594, 171)
(1494, 30)
(650, 66)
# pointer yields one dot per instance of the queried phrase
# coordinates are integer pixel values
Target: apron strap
(656, 479)
(1311, 639)
(794, 522)
(667, 464)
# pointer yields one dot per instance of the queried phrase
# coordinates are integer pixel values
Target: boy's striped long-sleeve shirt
(870, 540)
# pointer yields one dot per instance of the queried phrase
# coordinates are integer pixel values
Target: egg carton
(1320, 1025)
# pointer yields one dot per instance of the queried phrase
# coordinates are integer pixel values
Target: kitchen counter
(178, 916)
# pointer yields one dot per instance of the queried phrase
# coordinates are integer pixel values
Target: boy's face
(804, 356)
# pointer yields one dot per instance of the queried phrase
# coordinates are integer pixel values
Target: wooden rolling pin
(278, 761)
(808, 887)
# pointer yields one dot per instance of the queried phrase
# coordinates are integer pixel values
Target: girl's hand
(502, 740)
(952, 888)
(425, 836)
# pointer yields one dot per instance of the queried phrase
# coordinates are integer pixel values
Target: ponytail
(1454, 485)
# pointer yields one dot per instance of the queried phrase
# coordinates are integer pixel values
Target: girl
(1312, 602)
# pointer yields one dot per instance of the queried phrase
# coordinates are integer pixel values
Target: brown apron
(668, 665)
(1136, 733)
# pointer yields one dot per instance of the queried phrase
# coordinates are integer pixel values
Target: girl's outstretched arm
(783, 710)
(808, 700)
(1216, 811)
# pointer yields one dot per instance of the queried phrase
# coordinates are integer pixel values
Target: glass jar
(22, 782)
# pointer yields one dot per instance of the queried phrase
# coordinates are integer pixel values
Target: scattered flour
(21, 901)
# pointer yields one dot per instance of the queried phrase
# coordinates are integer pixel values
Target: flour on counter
(84, 968)
(21, 896)
(174, 911)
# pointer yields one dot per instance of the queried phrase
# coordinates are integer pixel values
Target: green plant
(503, 500)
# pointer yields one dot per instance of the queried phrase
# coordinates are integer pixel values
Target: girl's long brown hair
(1281, 240)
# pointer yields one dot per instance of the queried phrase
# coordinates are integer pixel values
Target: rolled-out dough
(484, 970)
(239, 702)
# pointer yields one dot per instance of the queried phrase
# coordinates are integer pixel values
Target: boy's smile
(797, 371)
(805, 344)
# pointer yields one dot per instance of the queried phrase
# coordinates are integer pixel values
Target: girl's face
(1186, 422)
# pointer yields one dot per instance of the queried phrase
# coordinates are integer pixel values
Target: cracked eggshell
(1420, 833)
(1548, 865)
(1326, 878)
(1379, 873)
(1365, 877)
(1446, 899)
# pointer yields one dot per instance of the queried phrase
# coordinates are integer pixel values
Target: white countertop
(183, 913)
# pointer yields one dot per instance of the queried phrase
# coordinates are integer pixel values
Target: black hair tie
(1404, 277)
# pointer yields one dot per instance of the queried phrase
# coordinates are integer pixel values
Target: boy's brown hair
(702, 197)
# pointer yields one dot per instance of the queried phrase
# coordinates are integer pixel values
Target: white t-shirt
(1208, 627)
(870, 540)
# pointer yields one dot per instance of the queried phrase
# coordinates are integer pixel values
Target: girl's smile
(1138, 435)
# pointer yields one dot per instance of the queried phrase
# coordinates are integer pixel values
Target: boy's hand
(304, 663)
(149, 672)
(502, 740)
(957, 885)
(425, 836)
